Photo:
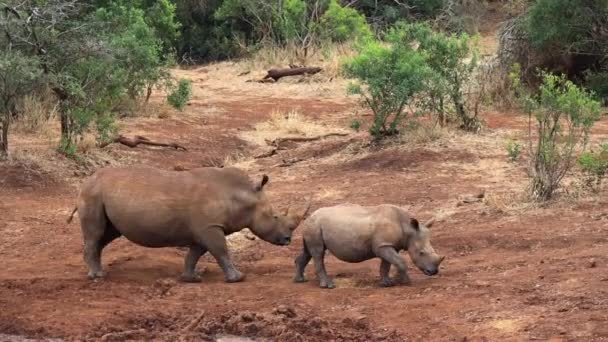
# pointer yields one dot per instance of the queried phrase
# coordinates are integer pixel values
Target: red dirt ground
(540, 274)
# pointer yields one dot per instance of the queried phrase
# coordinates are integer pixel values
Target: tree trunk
(4, 140)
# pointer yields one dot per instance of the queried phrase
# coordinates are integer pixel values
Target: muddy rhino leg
(301, 261)
(194, 254)
(213, 239)
(390, 255)
(385, 268)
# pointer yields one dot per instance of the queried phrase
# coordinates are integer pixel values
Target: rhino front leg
(390, 255)
(213, 239)
(385, 268)
(194, 254)
(301, 261)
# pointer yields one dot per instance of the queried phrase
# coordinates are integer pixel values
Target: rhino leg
(390, 255)
(301, 261)
(317, 250)
(385, 268)
(97, 232)
(194, 254)
(214, 240)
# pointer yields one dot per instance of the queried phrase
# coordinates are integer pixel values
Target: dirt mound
(281, 324)
(20, 175)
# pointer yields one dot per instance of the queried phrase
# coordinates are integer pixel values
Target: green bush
(355, 125)
(595, 166)
(598, 83)
(388, 76)
(513, 149)
(181, 94)
(452, 58)
(564, 116)
(340, 24)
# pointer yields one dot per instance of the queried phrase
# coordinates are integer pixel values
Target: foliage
(564, 115)
(452, 58)
(388, 77)
(513, 149)
(598, 83)
(355, 125)
(19, 74)
(340, 24)
(595, 165)
(181, 94)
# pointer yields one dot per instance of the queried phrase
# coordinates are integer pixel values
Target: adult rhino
(355, 233)
(195, 209)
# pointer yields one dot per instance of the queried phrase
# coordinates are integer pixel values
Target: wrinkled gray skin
(195, 209)
(354, 233)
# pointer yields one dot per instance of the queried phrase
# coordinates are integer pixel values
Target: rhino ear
(260, 186)
(414, 223)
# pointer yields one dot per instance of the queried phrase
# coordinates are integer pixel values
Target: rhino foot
(95, 275)
(235, 277)
(327, 284)
(190, 278)
(387, 283)
(300, 279)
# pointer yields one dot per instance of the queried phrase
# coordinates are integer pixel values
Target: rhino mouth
(430, 272)
(284, 241)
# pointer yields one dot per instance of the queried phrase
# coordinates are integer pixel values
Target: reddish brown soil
(540, 275)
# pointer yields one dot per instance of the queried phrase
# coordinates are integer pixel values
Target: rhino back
(347, 231)
(157, 208)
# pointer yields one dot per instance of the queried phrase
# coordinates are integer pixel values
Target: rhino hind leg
(194, 254)
(98, 232)
(389, 255)
(317, 250)
(301, 261)
(214, 240)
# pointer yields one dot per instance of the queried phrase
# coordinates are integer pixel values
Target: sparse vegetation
(180, 96)
(564, 114)
(595, 166)
(513, 148)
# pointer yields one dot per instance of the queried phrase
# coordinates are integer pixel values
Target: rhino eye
(422, 253)
(275, 217)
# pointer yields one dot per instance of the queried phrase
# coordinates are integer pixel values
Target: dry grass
(424, 133)
(239, 160)
(510, 202)
(329, 57)
(39, 115)
(284, 125)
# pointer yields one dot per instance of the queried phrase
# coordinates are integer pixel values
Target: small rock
(247, 317)
(592, 263)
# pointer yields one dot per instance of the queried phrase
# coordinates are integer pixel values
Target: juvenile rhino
(195, 209)
(354, 233)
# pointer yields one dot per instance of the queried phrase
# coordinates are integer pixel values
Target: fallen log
(141, 140)
(276, 74)
(278, 141)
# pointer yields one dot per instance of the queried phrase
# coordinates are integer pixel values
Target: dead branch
(141, 140)
(276, 74)
(266, 154)
(289, 162)
(278, 141)
(194, 323)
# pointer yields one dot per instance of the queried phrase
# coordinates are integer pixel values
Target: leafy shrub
(564, 116)
(340, 24)
(181, 94)
(598, 83)
(355, 125)
(595, 165)
(513, 149)
(452, 58)
(387, 76)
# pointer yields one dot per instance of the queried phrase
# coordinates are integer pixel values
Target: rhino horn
(429, 223)
(300, 217)
(441, 260)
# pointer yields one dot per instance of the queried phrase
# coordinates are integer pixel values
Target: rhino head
(420, 249)
(271, 226)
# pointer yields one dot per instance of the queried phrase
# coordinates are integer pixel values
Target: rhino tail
(69, 220)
